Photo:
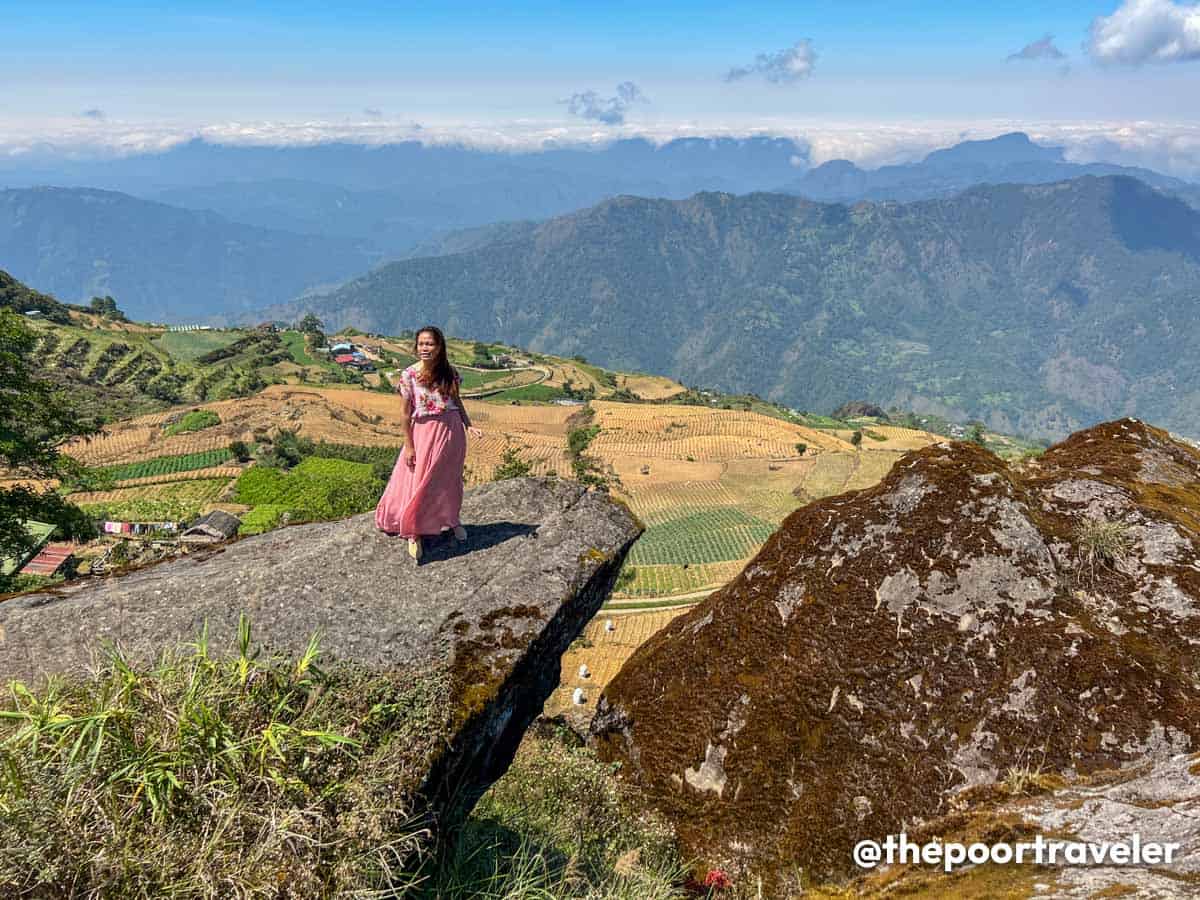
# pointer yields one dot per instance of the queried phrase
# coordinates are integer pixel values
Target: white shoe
(460, 534)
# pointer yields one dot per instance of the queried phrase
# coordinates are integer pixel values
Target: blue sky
(124, 72)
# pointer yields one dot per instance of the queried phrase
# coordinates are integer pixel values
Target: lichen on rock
(952, 602)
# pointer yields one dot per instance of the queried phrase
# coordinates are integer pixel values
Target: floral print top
(424, 400)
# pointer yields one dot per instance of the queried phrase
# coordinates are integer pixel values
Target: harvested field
(663, 471)
(544, 452)
(650, 387)
(607, 652)
(691, 430)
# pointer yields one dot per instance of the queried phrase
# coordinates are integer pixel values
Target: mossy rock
(889, 648)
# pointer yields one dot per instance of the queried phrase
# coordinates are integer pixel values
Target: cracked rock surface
(890, 648)
(494, 616)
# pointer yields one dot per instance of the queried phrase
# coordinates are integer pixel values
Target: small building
(33, 314)
(212, 528)
(344, 359)
(48, 562)
(39, 535)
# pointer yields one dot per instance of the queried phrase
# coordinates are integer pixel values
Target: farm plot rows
(664, 581)
(225, 472)
(131, 443)
(714, 535)
(705, 447)
(656, 504)
(695, 421)
(197, 491)
(902, 438)
(169, 465)
(545, 454)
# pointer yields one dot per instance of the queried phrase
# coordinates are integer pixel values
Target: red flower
(717, 880)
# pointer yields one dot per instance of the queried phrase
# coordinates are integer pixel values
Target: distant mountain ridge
(395, 196)
(160, 262)
(1008, 159)
(1035, 308)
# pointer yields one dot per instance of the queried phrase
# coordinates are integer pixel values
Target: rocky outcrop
(891, 647)
(490, 619)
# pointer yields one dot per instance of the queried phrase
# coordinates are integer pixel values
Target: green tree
(975, 433)
(106, 306)
(310, 324)
(856, 438)
(35, 418)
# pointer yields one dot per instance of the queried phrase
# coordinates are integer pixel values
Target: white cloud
(1173, 148)
(787, 66)
(1143, 31)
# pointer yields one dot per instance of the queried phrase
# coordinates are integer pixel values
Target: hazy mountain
(399, 195)
(1008, 159)
(160, 263)
(1035, 308)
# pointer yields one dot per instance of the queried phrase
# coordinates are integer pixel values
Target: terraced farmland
(718, 534)
(169, 465)
(178, 501)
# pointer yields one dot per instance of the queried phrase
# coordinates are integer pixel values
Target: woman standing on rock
(424, 494)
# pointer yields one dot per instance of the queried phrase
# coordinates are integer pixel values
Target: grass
(472, 380)
(295, 343)
(188, 346)
(1101, 544)
(227, 774)
(558, 824)
(531, 393)
(209, 776)
(196, 420)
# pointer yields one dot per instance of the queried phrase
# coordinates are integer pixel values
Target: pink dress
(426, 498)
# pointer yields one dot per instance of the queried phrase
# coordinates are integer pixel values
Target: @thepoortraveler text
(949, 855)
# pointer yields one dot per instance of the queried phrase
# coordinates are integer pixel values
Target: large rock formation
(491, 619)
(890, 647)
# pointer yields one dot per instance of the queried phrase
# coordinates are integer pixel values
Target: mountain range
(162, 263)
(394, 196)
(1034, 308)
(1008, 159)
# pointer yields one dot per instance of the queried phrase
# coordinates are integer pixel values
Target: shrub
(270, 516)
(240, 451)
(323, 488)
(195, 420)
(511, 465)
(856, 438)
(207, 776)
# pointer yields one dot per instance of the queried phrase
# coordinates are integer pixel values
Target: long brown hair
(441, 375)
